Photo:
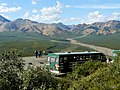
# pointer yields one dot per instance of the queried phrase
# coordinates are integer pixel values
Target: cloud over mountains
(53, 14)
(5, 8)
(61, 11)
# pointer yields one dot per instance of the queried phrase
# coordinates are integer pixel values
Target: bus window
(99, 57)
(103, 58)
(65, 58)
(48, 59)
(61, 59)
(95, 57)
(81, 58)
(77, 58)
(52, 59)
(84, 57)
(57, 60)
(87, 57)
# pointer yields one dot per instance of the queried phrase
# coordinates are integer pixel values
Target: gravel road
(32, 60)
(106, 51)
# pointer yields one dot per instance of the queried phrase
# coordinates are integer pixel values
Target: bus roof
(71, 53)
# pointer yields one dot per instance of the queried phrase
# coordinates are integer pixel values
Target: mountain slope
(111, 41)
(102, 28)
(26, 25)
(3, 20)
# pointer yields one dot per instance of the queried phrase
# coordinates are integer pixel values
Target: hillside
(3, 20)
(29, 42)
(26, 25)
(23, 41)
(31, 35)
(110, 41)
(98, 28)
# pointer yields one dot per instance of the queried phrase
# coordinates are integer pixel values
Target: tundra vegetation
(88, 76)
(29, 42)
(109, 41)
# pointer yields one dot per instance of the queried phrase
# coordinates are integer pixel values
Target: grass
(23, 41)
(29, 42)
(110, 41)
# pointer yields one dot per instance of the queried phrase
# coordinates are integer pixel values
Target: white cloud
(4, 8)
(34, 11)
(59, 5)
(52, 10)
(75, 19)
(48, 14)
(114, 16)
(105, 6)
(92, 17)
(26, 15)
(34, 2)
(35, 17)
(52, 14)
(65, 20)
(71, 20)
(68, 6)
(51, 19)
(95, 16)
(3, 4)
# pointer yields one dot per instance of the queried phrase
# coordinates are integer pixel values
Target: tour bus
(63, 62)
(115, 52)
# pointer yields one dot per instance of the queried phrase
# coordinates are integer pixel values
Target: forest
(90, 75)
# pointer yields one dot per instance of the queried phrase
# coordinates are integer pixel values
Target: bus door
(52, 63)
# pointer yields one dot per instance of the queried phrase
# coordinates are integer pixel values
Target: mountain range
(26, 25)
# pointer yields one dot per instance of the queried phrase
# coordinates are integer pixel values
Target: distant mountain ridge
(3, 20)
(26, 25)
(109, 27)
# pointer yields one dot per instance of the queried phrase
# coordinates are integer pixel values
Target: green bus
(115, 52)
(63, 62)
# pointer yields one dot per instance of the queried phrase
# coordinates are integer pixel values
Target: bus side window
(48, 59)
(61, 59)
(99, 57)
(81, 58)
(52, 60)
(87, 57)
(104, 58)
(84, 57)
(65, 58)
(57, 60)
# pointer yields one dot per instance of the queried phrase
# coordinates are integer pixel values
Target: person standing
(39, 53)
(43, 52)
(36, 53)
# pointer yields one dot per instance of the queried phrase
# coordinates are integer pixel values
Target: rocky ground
(33, 61)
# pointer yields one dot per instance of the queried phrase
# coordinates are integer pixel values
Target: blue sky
(65, 11)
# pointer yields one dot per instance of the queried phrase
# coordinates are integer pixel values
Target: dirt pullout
(32, 60)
